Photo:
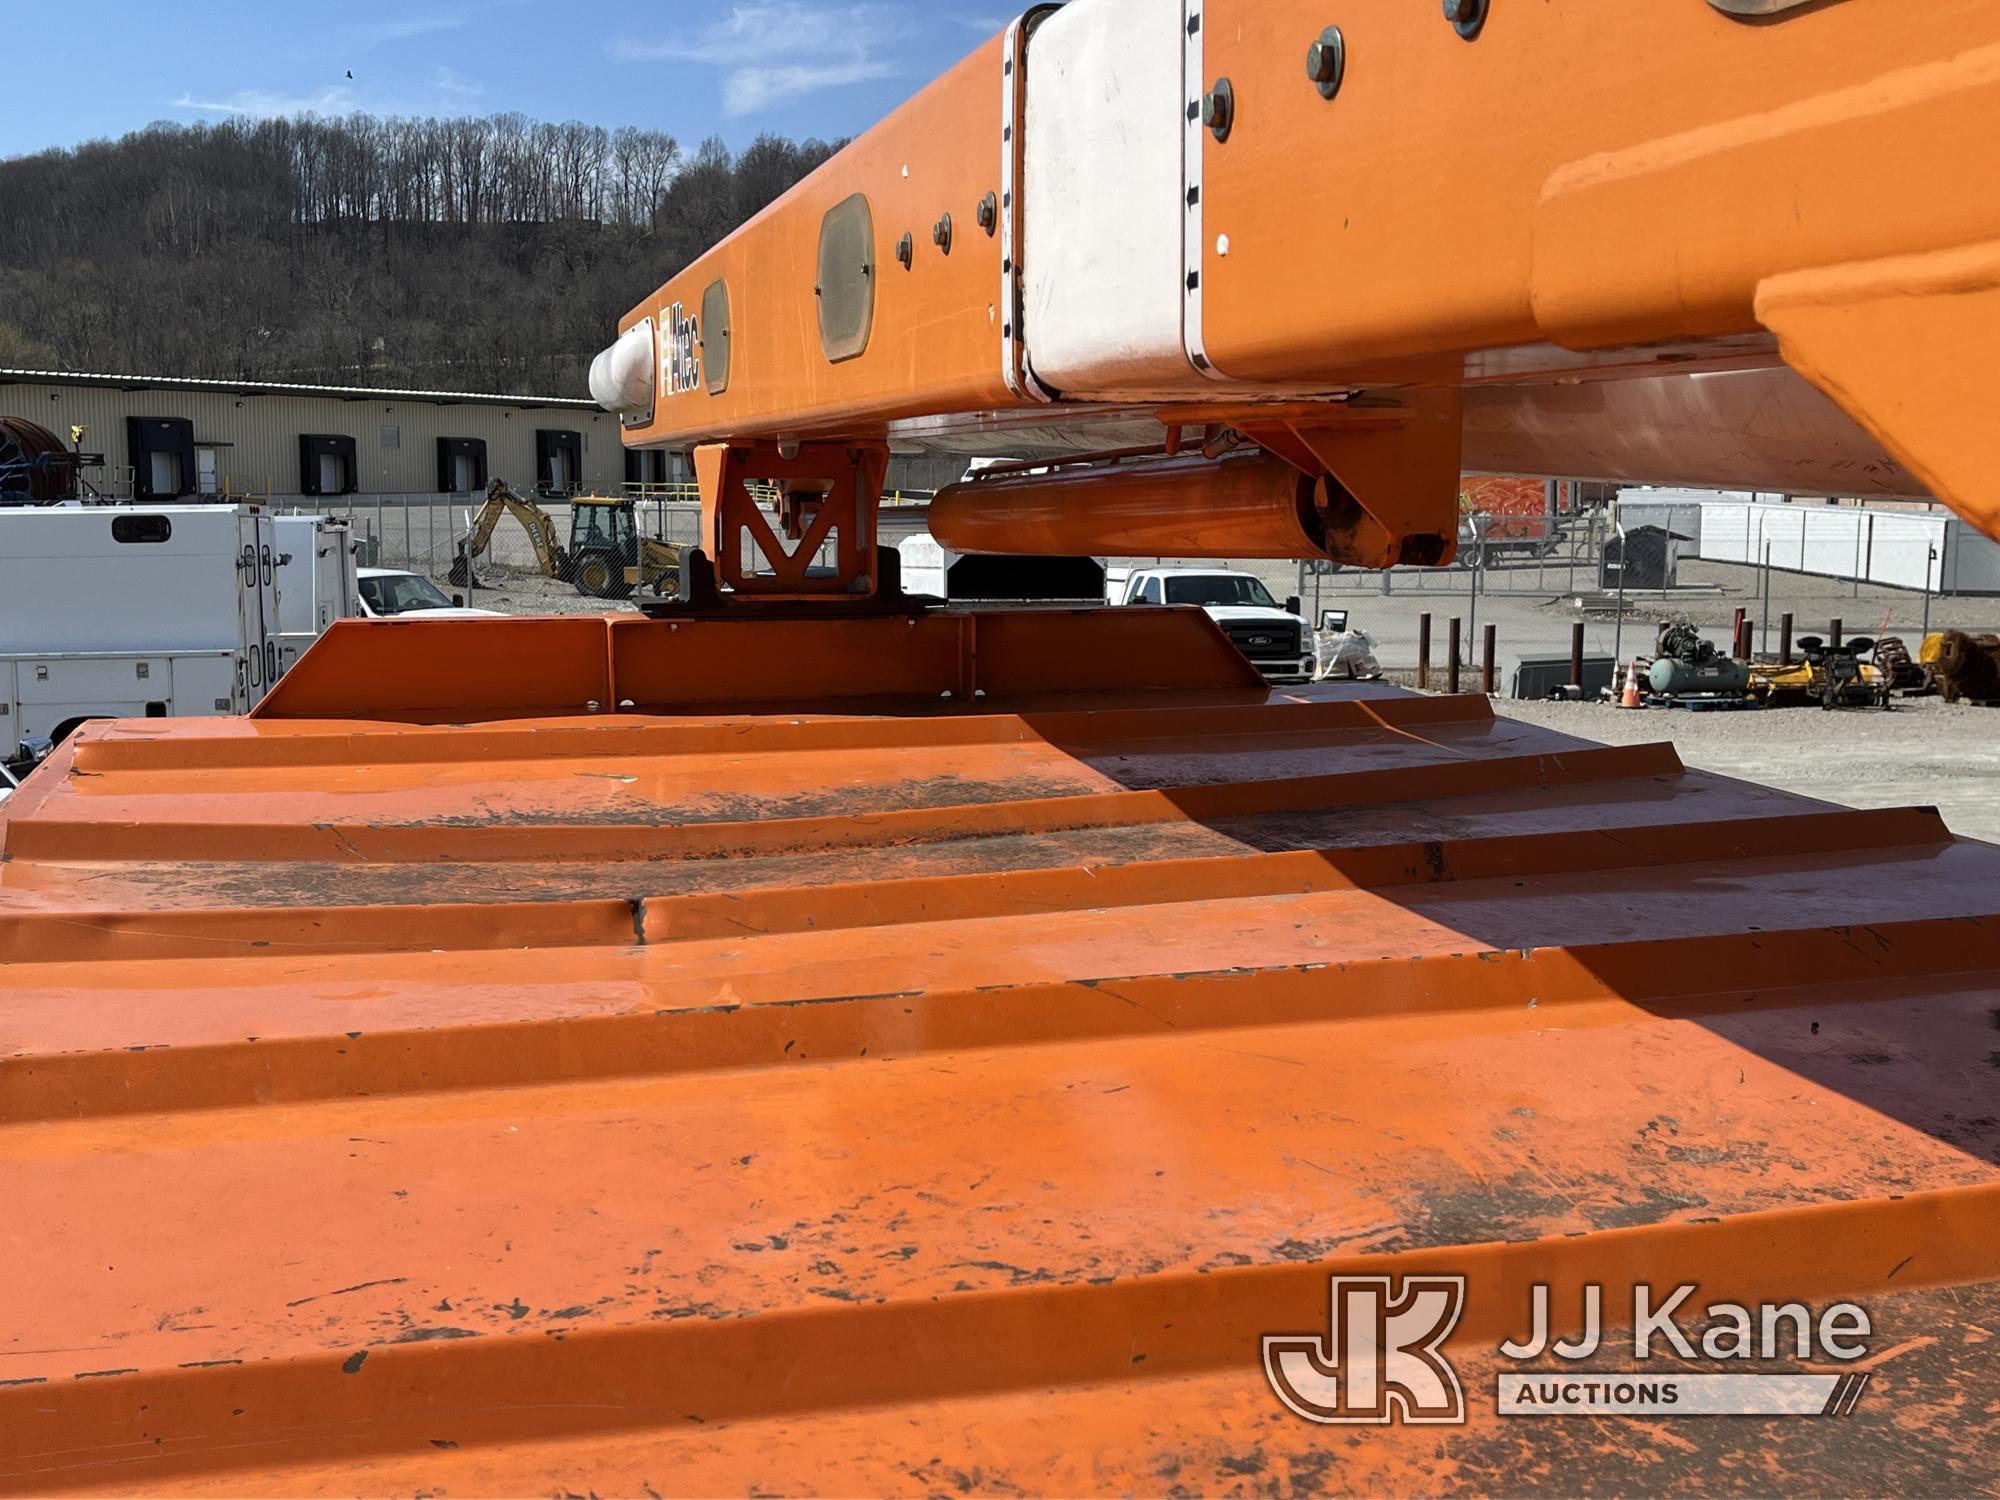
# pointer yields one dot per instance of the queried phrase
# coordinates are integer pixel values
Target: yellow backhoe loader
(606, 556)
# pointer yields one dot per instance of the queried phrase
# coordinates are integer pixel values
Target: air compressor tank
(1677, 679)
(1696, 667)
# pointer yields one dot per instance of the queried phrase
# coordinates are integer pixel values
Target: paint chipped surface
(419, 1109)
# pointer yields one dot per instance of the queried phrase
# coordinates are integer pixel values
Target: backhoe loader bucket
(937, 1059)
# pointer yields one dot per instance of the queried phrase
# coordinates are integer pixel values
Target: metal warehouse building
(163, 438)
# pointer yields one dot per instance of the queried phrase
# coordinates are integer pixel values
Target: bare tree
(477, 253)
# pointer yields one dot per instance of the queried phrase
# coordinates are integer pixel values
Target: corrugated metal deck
(948, 1100)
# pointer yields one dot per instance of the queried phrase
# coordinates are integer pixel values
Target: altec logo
(680, 357)
(1381, 1360)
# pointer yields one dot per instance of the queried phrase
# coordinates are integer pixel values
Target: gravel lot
(1922, 752)
(532, 595)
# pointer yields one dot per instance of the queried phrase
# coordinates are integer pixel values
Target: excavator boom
(550, 555)
(799, 1040)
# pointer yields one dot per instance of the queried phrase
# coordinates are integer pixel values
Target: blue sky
(734, 68)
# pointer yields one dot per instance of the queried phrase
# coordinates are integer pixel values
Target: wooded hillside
(492, 254)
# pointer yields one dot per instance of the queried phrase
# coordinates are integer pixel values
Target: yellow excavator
(607, 557)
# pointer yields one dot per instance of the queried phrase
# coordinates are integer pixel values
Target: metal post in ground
(1767, 597)
(1424, 649)
(1576, 656)
(1478, 565)
(1487, 665)
(1785, 640)
(1581, 537)
(1551, 510)
(1930, 558)
(1618, 630)
(1451, 669)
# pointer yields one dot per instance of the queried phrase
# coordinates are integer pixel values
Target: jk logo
(1381, 1358)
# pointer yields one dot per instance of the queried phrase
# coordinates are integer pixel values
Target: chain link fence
(1622, 573)
(1619, 572)
(424, 533)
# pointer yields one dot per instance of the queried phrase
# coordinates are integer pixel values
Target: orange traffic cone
(1631, 698)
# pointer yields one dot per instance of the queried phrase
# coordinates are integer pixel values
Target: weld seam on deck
(287, 932)
(45, 839)
(500, 1387)
(1685, 975)
(107, 751)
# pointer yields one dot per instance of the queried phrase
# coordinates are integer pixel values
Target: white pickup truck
(1275, 639)
(390, 592)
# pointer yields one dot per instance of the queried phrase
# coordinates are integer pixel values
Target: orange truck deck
(916, 1093)
(802, 1042)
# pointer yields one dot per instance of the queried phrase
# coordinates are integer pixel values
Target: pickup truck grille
(1266, 644)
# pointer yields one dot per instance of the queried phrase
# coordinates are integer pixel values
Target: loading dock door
(558, 460)
(163, 456)
(461, 465)
(327, 464)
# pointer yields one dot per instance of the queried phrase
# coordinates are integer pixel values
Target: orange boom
(806, 1041)
(1129, 223)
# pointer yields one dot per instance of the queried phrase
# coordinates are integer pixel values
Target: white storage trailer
(133, 612)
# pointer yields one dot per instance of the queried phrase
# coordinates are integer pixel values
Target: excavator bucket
(964, 1055)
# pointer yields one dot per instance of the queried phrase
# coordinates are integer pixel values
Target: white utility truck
(317, 582)
(130, 612)
(1274, 638)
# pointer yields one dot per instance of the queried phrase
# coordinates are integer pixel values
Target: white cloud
(403, 28)
(748, 90)
(452, 85)
(450, 93)
(335, 99)
(778, 51)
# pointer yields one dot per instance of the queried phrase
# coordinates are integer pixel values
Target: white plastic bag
(1350, 653)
